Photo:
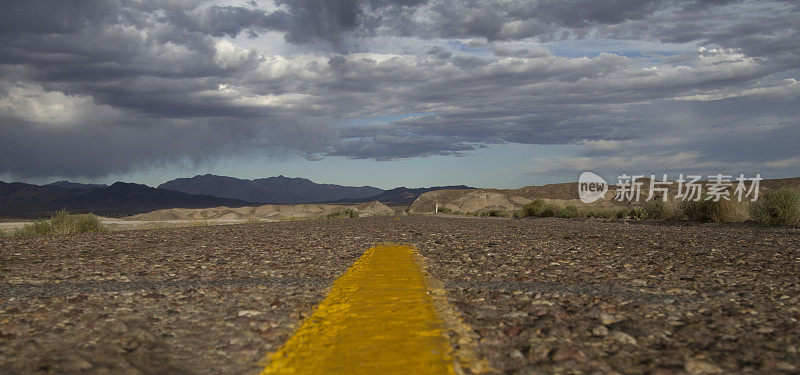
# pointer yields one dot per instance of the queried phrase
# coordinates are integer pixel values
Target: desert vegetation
(779, 207)
(541, 208)
(489, 213)
(61, 222)
(346, 213)
(494, 213)
(445, 210)
(722, 211)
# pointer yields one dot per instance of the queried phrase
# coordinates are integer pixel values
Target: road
(527, 296)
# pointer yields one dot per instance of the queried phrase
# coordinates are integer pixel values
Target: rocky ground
(542, 295)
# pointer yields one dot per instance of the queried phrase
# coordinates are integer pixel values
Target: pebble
(699, 367)
(623, 338)
(609, 319)
(600, 331)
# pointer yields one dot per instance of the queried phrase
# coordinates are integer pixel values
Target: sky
(487, 93)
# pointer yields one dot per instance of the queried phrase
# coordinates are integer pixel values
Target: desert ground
(541, 295)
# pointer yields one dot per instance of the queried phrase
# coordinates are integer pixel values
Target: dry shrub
(779, 207)
(62, 222)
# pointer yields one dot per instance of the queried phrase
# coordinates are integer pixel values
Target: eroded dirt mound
(482, 200)
(265, 212)
(374, 208)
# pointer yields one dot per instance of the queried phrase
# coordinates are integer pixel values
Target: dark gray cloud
(89, 88)
(56, 17)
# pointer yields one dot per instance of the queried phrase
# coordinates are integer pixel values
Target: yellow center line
(377, 319)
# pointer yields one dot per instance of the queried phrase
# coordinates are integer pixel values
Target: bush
(621, 213)
(655, 209)
(722, 211)
(531, 209)
(636, 213)
(62, 223)
(344, 213)
(729, 211)
(673, 211)
(568, 212)
(597, 213)
(495, 213)
(590, 213)
(779, 207)
(698, 210)
(550, 210)
(37, 228)
(445, 210)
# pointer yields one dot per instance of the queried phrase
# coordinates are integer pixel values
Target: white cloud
(786, 89)
(228, 55)
(32, 103)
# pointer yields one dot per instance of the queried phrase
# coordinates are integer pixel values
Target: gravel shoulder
(541, 295)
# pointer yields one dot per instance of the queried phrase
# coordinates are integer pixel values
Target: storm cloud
(92, 88)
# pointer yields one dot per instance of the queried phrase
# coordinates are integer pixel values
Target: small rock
(609, 319)
(565, 353)
(118, 328)
(514, 330)
(623, 338)
(517, 314)
(765, 330)
(539, 352)
(785, 366)
(696, 366)
(249, 313)
(600, 331)
(516, 354)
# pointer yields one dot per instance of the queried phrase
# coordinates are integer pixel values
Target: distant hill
(482, 200)
(269, 190)
(403, 194)
(73, 185)
(120, 199)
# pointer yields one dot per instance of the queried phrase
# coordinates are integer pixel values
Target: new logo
(591, 187)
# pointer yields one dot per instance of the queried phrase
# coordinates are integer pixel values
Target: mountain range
(120, 199)
(23, 200)
(74, 185)
(293, 190)
(269, 190)
(402, 194)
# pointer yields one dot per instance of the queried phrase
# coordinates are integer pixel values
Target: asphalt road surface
(531, 296)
